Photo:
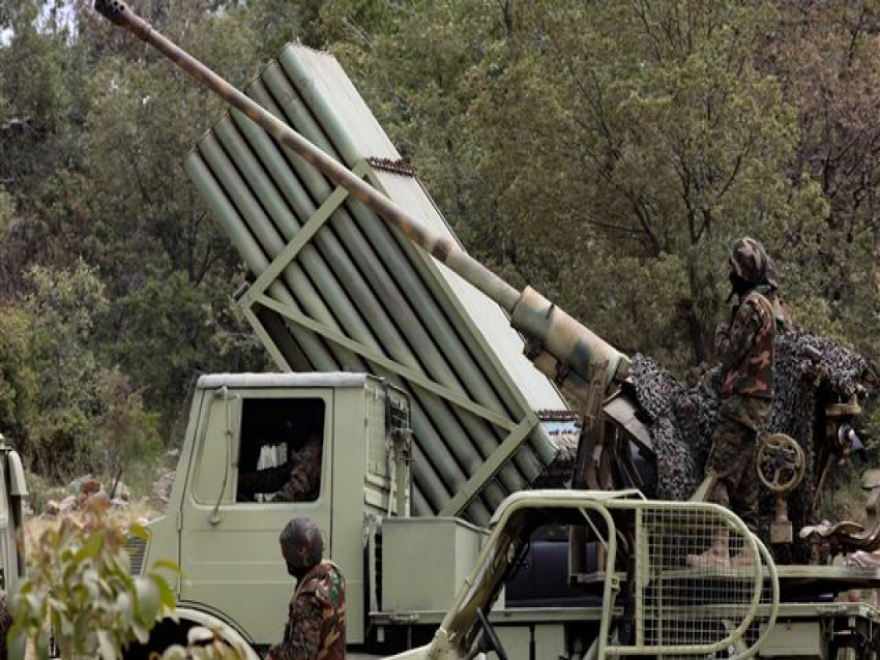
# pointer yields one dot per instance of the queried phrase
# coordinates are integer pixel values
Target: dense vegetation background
(603, 152)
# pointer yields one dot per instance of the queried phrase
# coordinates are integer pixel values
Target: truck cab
(225, 540)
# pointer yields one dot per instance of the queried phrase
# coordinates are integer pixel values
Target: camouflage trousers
(732, 457)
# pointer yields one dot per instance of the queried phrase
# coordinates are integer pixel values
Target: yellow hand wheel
(780, 463)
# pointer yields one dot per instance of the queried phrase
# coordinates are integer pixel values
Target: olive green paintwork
(228, 551)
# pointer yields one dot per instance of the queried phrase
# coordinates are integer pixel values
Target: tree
(644, 134)
(169, 331)
(604, 153)
(146, 115)
(45, 89)
(17, 386)
(419, 68)
(63, 305)
(127, 434)
(825, 55)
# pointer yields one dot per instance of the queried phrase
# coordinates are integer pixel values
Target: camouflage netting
(809, 369)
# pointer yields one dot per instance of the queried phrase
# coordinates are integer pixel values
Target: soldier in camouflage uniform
(745, 347)
(316, 617)
(298, 482)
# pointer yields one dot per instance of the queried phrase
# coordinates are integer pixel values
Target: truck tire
(168, 632)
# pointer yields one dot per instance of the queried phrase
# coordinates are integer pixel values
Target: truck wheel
(164, 634)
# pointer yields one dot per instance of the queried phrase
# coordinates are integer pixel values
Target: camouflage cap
(750, 261)
(302, 543)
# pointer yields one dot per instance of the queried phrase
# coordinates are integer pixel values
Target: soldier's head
(302, 546)
(750, 265)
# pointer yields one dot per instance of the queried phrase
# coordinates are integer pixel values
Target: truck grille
(136, 547)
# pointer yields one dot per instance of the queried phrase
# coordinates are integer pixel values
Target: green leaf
(175, 652)
(106, 646)
(125, 607)
(139, 531)
(34, 602)
(17, 642)
(141, 633)
(81, 629)
(166, 564)
(42, 645)
(149, 600)
(92, 547)
(166, 595)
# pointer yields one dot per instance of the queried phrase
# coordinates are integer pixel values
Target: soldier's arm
(302, 484)
(302, 640)
(262, 481)
(304, 477)
(733, 342)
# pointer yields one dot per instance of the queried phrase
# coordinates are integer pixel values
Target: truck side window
(281, 450)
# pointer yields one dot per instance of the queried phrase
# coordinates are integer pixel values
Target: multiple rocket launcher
(338, 289)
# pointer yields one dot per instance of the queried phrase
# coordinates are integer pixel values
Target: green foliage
(45, 86)
(127, 434)
(415, 66)
(280, 21)
(642, 131)
(168, 327)
(80, 590)
(828, 57)
(79, 581)
(63, 305)
(17, 385)
(7, 209)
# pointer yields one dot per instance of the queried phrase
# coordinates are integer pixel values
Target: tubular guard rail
(674, 610)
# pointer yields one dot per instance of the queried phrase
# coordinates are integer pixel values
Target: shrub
(79, 582)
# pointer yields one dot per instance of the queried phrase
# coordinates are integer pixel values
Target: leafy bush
(79, 582)
(80, 590)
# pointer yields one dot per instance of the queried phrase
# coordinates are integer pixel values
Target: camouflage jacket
(304, 479)
(746, 348)
(315, 627)
(298, 482)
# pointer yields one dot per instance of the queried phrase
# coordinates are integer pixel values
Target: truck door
(262, 458)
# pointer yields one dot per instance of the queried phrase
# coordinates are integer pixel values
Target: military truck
(433, 432)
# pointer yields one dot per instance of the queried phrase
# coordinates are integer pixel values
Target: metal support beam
(404, 372)
(490, 467)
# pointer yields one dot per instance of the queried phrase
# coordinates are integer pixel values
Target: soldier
(298, 482)
(316, 617)
(745, 347)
